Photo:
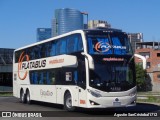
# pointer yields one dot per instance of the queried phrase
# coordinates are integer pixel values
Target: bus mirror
(90, 60)
(142, 58)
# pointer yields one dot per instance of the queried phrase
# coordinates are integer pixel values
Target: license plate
(116, 103)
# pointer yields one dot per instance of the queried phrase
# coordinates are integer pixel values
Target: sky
(19, 19)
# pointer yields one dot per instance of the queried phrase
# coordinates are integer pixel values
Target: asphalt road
(47, 111)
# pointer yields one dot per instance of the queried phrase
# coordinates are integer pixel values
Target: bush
(143, 80)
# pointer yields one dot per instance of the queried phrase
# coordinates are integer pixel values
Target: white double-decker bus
(82, 68)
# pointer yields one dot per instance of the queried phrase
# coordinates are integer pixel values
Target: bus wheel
(22, 97)
(28, 97)
(68, 102)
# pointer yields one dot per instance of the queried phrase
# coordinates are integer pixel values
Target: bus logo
(102, 46)
(28, 65)
(21, 59)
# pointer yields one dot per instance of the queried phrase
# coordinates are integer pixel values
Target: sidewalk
(145, 94)
(149, 97)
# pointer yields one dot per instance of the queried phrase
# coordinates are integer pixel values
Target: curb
(158, 104)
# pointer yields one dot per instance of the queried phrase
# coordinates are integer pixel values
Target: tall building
(134, 38)
(151, 51)
(54, 27)
(43, 33)
(6, 58)
(66, 20)
(92, 24)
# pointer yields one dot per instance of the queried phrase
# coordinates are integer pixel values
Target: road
(47, 111)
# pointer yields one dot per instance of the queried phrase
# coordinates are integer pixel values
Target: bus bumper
(111, 102)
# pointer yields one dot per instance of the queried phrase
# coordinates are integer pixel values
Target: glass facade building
(43, 33)
(134, 38)
(6, 62)
(67, 20)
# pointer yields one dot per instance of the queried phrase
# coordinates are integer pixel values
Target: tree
(140, 78)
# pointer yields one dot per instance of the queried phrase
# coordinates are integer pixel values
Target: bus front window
(112, 76)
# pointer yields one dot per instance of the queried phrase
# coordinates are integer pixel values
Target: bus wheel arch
(68, 101)
(22, 96)
(28, 97)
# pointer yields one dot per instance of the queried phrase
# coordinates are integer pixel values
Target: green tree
(140, 78)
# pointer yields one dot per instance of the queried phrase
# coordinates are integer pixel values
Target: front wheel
(68, 102)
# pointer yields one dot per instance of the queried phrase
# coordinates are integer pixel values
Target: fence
(6, 89)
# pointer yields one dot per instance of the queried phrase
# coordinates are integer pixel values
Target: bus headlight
(95, 94)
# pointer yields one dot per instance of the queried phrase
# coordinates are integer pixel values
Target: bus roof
(69, 33)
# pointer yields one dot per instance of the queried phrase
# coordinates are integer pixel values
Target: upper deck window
(65, 45)
(108, 43)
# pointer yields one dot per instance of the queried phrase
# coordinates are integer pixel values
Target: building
(66, 20)
(54, 27)
(93, 24)
(43, 33)
(135, 37)
(151, 51)
(6, 62)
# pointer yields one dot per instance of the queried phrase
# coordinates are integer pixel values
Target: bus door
(82, 84)
(67, 80)
(75, 80)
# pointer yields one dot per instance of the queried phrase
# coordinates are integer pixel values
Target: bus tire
(28, 98)
(68, 102)
(22, 97)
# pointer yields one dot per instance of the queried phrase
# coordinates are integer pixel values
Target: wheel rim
(69, 102)
(28, 97)
(22, 96)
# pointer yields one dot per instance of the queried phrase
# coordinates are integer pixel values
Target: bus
(82, 68)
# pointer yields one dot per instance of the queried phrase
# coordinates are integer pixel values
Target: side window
(70, 44)
(74, 43)
(43, 50)
(44, 77)
(37, 52)
(59, 77)
(17, 55)
(58, 47)
(69, 76)
(61, 46)
(33, 77)
(80, 43)
(32, 54)
(53, 48)
(47, 49)
(51, 77)
(40, 77)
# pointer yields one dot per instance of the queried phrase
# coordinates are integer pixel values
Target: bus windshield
(108, 43)
(112, 73)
